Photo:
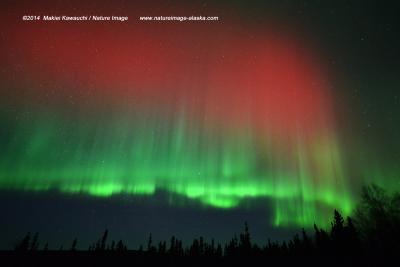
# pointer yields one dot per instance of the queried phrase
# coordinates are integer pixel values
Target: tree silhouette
(245, 242)
(104, 240)
(23, 245)
(162, 247)
(378, 220)
(120, 246)
(194, 250)
(172, 246)
(74, 243)
(337, 233)
(150, 247)
(35, 242)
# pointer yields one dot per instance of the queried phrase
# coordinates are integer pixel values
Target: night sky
(275, 114)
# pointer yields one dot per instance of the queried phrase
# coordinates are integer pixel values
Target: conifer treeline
(372, 234)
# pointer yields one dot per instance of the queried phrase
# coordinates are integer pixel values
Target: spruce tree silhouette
(150, 247)
(307, 245)
(35, 242)
(231, 247)
(23, 245)
(179, 248)
(172, 249)
(322, 242)
(337, 233)
(74, 243)
(201, 246)
(194, 250)
(378, 220)
(121, 247)
(162, 247)
(212, 247)
(104, 240)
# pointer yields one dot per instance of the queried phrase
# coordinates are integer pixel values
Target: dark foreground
(135, 258)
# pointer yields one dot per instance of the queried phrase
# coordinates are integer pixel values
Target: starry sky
(275, 114)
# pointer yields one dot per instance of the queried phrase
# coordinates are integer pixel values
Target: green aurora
(220, 170)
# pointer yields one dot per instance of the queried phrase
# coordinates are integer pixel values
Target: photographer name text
(74, 18)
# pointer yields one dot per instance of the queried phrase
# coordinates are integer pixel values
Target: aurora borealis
(215, 112)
